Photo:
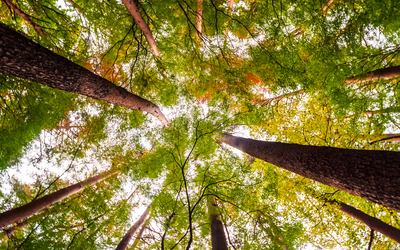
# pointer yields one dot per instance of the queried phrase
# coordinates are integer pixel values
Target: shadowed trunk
(134, 10)
(218, 239)
(368, 220)
(23, 58)
(371, 174)
(139, 236)
(123, 244)
(376, 74)
(20, 213)
(25, 17)
(199, 18)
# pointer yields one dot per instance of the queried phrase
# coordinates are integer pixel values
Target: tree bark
(136, 242)
(23, 58)
(278, 98)
(218, 239)
(371, 174)
(376, 74)
(199, 19)
(123, 244)
(387, 137)
(368, 220)
(231, 2)
(20, 213)
(134, 10)
(9, 232)
(25, 17)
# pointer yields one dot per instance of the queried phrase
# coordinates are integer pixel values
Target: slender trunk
(9, 232)
(371, 174)
(20, 213)
(199, 19)
(123, 244)
(218, 239)
(386, 137)
(376, 74)
(368, 220)
(25, 17)
(75, 6)
(278, 98)
(134, 10)
(231, 2)
(23, 58)
(326, 7)
(139, 236)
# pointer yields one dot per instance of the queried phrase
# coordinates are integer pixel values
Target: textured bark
(199, 18)
(371, 174)
(20, 213)
(25, 17)
(278, 98)
(123, 244)
(134, 10)
(218, 239)
(376, 74)
(23, 58)
(139, 236)
(368, 220)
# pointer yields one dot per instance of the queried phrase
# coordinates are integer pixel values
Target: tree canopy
(317, 73)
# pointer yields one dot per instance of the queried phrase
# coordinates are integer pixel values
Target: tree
(353, 171)
(23, 212)
(218, 238)
(128, 236)
(46, 67)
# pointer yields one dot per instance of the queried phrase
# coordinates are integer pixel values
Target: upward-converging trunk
(371, 174)
(134, 10)
(218, 239)
(368, 220)
(123, 244)
(20, 213)
(376, 74)
(23, 58)
(199, 19)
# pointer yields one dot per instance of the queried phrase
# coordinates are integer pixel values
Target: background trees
(221, 80)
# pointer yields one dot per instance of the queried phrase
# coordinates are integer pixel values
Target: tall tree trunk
(123, 244)
(218, 239)
(371, 174)
(376, 74)
(134, 10)
(23, 58)
(25, 17)
(20, 213)
(368, 220)
(199, 19)
(139, 236)
(230, 8)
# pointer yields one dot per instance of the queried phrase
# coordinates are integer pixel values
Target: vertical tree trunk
(230, 7)
(371, 174)
(199, 19)
(136, 242)
(218, 239)
(368, 220)
(23, 58)
(25, 17)
(20, 213)
(123, 244)
(134, 10)
(376, 74)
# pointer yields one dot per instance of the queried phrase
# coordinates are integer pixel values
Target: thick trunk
(25, 17)
(23, 58)
(134, 10)
(199, 18)
(376, 74)
(368, 220)
(20, 213)
(218, 239)
(123, 244)
(371, 174)
(139, 236)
